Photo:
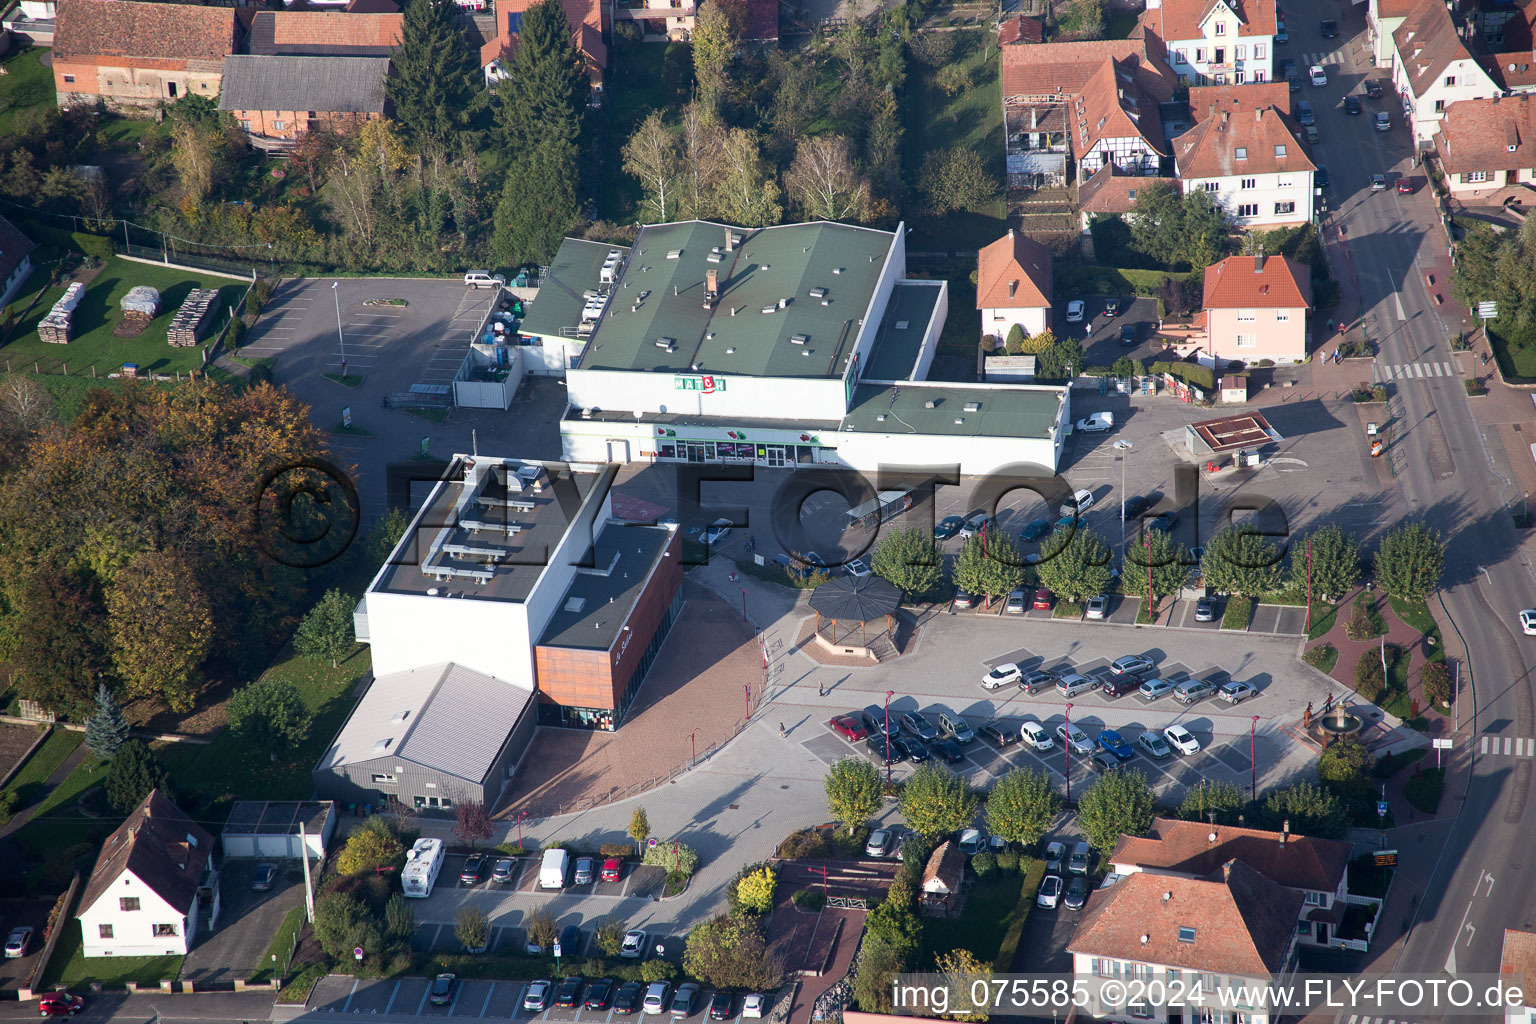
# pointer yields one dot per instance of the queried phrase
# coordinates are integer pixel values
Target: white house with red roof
(1256, 308)
(1215, 42)
(1013, 286)
(1432, 69)
(1243, 152)
(1487, 149)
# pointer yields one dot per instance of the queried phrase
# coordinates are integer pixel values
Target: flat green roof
(766, 266)
(556, 312)
(596, 606)
(1002, 411)
(894, 354)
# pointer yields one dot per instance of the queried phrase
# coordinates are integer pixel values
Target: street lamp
(1066, 751)
(341, 340)
(693, 739)
(520, 816)
(1122, 447)
(1253, 761)
(888, 695)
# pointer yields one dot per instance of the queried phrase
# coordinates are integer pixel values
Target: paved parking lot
(407, 998)
(247, 921)
(1100, 334)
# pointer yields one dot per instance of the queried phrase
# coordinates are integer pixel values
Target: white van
(483, 279)
(553, 870)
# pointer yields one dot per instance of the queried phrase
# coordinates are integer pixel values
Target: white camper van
(552, 872)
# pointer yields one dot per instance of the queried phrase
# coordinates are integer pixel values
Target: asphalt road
(1478, 887)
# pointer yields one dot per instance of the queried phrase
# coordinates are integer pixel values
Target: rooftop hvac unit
(837, 270)
(930, 404)
(715, 255)
(674, 254)
(818, 293)
(798, 339)
(770, 308)
(972, 407)
(664, 342)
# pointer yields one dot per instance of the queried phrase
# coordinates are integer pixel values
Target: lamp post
(520, 816)
(1122, 447)
(1309, 584)
(1146, 539)
(693, 739)
(341, 340)
(746, 688)
(1066, 751)
(1253, 761)
(744, 604)
(888, 695)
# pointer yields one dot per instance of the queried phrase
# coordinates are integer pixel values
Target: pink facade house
(1256, 308)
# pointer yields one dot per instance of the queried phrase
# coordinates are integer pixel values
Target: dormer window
(1186, 934)
(1280, 152)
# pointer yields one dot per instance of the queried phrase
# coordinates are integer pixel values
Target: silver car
(1097, 606)
(1050, 892)
(583, 870)
(1152, 689)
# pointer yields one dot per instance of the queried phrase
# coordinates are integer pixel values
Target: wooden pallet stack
(55, 327)
(192, 317)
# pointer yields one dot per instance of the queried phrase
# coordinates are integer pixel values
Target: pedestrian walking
(821, 689)
(782, 733)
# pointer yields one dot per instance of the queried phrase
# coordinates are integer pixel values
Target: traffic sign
(358, 952)
(1385, 858)
(1442, 744)
(1488, 310)
(557, 949)
(1381, 808)
(650, 843)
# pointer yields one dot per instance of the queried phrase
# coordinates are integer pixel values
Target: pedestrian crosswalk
(1336, 57)
(1507, 746)
(1410, 371)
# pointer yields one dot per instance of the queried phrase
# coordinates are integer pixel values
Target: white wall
(976, 456)
(894, 270)
(931, 334)
(412, 630)
(743, 396)
(1268, 190)
(1033, 320)
(551, 358)
(1254, 68)
(1472, 83)
(133, 932)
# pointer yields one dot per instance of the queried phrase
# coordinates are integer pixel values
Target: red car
(59, 1004)
(848, 727)
(612, 868)
(1405, 186)
(1043, 598)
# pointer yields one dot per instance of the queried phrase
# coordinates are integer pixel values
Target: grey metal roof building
(264, 828)
(574, 271)
(340, 85)
(430, 737)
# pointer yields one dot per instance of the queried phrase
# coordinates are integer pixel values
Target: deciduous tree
(1239, 561)
(161, 626)
(472, 928)
(62, 648)
(399, 918)
(269, 714)
(328, 631)
(1168, 560)
(1331, 557)
(472, 822)
(1309, 809)
(855, 791)
(907, 558)
(1074, 563)
(730, 952)
(1409, 561)
(955, 179)
(1062, 359)
(1212, 796)
(368, 848)
(1022, 806)
(754, 891)
(823, 181)
(652, 155)
(936, 801)
(1345, 767)
(540, 927)
(746, 192)
(1118, 803)
(873, 980)
(962, 970)
(715, 39)
(639, 827)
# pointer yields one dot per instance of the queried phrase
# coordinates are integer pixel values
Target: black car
(914, 723)
(1035, 529)
(1373, 88)
(1112, 307)
(1287, 67)
(597, 994)
(1115, 686)
(877, 746)
(1128, 335)
(472, 869)
(949, 750)
(1136, 505)
(1102, 762)
(569, 993)
(1351, 104)
(876, 719)
(720, 1006)
(998, 735)
(1320, 176)
(627, 998)
(912, 748)
(948, 527)
(570, 941)
(1330, 28)
(1293, 82)
(441, 992)
(1164, 523)
(263, 877)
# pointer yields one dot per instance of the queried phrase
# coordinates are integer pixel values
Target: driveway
(14, 914)
(247, 921)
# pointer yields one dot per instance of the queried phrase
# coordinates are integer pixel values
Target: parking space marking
(488, 993)
(350, 994)
(421, 1006)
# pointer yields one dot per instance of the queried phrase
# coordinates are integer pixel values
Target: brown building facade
(126, 53)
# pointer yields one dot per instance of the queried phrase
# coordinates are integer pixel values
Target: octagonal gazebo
(850, 599)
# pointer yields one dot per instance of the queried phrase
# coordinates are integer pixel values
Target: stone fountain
(1338, 724)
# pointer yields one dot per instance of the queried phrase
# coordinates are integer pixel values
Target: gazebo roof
(856, 599)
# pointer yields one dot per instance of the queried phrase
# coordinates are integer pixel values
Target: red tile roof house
(1231, 928)
(1244, 153)
(1107, 192)
(126, 53)
(1214, 41)
(277, 99)
(1013, 286)
(1316, 868)
(1487, 150)
(586, 18)
(1256, 308)
(147, 891)
(1114, 121)
(1432, 69)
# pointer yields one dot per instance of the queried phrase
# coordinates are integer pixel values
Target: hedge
(1193, 374)
(1088, 278)
(98, 246)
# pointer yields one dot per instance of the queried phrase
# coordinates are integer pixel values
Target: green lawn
(69, 969)
(26, 85)
(1324, 615)
(991, 907)
(972, 119)
(214, 774)
(1514, 348)
(99, 311)
(44, 762)
(280, 947)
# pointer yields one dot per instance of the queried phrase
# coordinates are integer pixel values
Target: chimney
(1258, 115)
(711, 288)
(1013, 286)
(1285, 831)
(1258, 261)
(1034, 118)
(730, 240)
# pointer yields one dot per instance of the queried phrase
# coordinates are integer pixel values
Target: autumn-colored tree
(62, 649)
(161, 628)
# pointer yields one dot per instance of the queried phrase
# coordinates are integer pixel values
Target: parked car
(1001, 675)
(886, 750)
(1288, 66)
(1234, 692)
(1164, 523)
(686, 1000)
(1528, 621)
(1043, 599)
(613, 867)
(1153, 689)
(1378, 183)
(633, 946)
(1293, 82)
(964, 599)
(1075, 311)
(1382, 121)
(720, 1005)
(753, 1005)
(569, 993)
(1352, 105)
(598, 993)
(627, 999)
(263, 877)
(59, 1004)
(848, 727)
(1096, 423)
(947, 527)
(1205, 610)
(569, 940)
(584, 868)
(1035, 529)
(972, 841)
(1080, 502)
(1115, 687)
(1015, 605)
(474, 864)
(1049, 893)
(1070, 686)
(912, 748)
(1330, 28)
(1192, 691)
(1281, 35)
(478, 279)
(997, 734)
(1304, 113)
(18, 941)
(1405, 186)
(856, 567)
(879, 843)
(1318, 75)
(1311, 134)
(1131, 663)
(538, 997)
(1320, 176)
(1115, 744)
(951, 724)
(1102, 762)
(913, 722)
(1112, 306)
(1075, 738)
(1181, 739)
(441, 991)
(1373, 88)
(1154, 745)
(974, 524)
(1076, 894)
(876, 721)
(657, 997)
(949, 750)
(717, 531)
(1055, 853)
(1036, 681)
(501, 872)
(1128, 335)
(1081, 859)
(1034, 734)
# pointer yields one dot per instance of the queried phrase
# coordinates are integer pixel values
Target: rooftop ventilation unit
(798, 339)
(674, 254)
(972, 407)
(664, 342)
(575, 604)
(818, 293)
(930, 404)
(901, 325)
(715, 255)
(959, 421)
(382, 745)
(880, 418)
(837, 270)
(400, 716)
(770, 308)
